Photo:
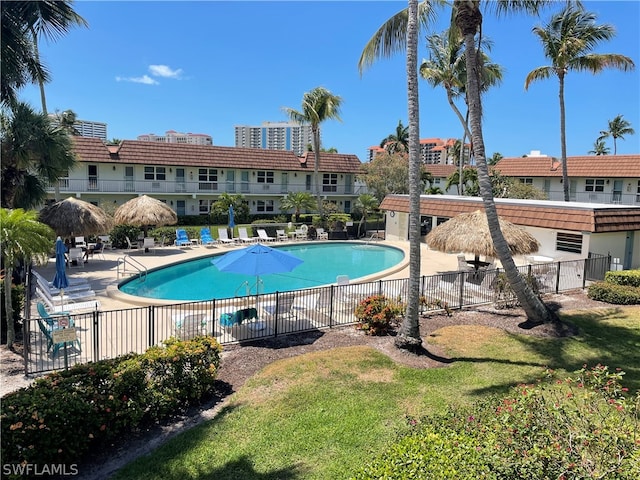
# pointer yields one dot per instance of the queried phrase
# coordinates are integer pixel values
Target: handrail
(139, 267)
(374, 235)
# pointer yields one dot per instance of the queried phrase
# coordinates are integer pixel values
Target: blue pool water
(200, 280)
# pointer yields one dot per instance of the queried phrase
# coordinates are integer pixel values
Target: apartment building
(433, 151)
(189, 178)
(171, 136)
(86, 128)
(275, 136)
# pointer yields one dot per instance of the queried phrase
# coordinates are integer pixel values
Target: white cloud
(164, 71)
(145, 79)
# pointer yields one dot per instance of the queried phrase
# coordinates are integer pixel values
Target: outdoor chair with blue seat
(182, 239)
(205, 237)
(49, 324)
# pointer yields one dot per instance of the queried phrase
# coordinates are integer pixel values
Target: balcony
(611, 198)
(154, 187)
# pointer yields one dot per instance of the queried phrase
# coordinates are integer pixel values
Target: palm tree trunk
(8, 308)
(408, 337)
(563, 141)
(469, 19)
(316, 167)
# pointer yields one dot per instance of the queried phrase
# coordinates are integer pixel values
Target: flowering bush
(376, 314)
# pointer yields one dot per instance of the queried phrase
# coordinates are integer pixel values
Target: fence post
(151, 336)
(462, 279)
(96, 335)
(558, 278)
(276, 315)
(331, 295)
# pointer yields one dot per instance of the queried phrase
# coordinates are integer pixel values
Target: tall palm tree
(297, 201)
(567, 41)
(365, 204)
(398, 141)
(318, 105)
(23, 23)
(22, 238)
(468, 19)
(34, 154)
(600, 148)
(618, 128)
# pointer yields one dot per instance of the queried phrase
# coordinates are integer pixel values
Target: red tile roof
(583, 166)
(580, 217)
(154, 153)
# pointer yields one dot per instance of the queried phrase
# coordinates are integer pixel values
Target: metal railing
(108, 334)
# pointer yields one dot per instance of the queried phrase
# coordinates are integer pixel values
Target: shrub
(505, 296)
(376, 314)
(65, 414)
(585, 426)
(119, 232)
(624, 277)
(614, 293)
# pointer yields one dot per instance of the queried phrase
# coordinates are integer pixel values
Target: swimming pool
(200, 280)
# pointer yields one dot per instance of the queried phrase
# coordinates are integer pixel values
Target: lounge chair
(262, 235)
(78, 283)
(190, 325)
(182, 239)
(281, 236)
(321, 234)
(244, 236)
(283, 306)
(223, 237)
(68, 306)
(71, 288)
(205, 237)
(463, 266)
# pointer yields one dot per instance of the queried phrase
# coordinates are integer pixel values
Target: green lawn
(322, 415)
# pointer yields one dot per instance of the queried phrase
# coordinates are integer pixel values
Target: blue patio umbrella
(60, 280)
(232, 222)
(257, 260)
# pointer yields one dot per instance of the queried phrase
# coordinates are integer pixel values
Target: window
(526, 181)
(265, 206)
(155, 173)
(92, 170)
(330, 182)
(207, 179)
(594, 185)
(204, 207)
(307, 183)
(244, 181)
(265, 178)
(569, 242)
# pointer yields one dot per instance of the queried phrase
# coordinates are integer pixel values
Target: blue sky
(207, 66)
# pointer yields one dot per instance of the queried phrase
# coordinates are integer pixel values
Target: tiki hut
(144, 211)
(73, 217)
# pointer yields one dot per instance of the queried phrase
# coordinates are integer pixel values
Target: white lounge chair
(190, 325)
(283, 306)
(72, 288)
(73, 282)
(262, 235)
(244, 236)
(68, 306)
(223, 237)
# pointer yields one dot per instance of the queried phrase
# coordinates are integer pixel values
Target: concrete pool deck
(103, 274)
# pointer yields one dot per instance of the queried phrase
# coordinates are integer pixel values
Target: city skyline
(227, 63)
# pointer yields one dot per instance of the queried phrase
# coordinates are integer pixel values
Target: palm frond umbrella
(469, 233)
(72, 217)
(144, 211)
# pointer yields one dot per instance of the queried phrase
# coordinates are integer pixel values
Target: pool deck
(103, 274)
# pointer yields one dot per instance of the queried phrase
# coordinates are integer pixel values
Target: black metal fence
(108, 334)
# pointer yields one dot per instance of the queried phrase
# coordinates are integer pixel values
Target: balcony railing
(93, 185)
(616, 198)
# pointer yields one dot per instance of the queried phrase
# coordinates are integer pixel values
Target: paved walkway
(103, 274)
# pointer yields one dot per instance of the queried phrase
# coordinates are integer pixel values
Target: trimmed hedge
(624, 277)
(613, 293)
(64, 415)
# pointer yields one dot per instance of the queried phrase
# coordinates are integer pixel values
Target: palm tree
(34, 154)
(468, 19)
(22, 238)
(365, 204)
(297, 201)
(495, 158)
(22, 24)
(67, 121)
(469, 176)
(567, 40)
(618, 128)
(318, 105)
(600, 148)
(398, 141)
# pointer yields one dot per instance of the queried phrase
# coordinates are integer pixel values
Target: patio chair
(463, 265)
(130, 246)
(283, 306)
(106, 241)
(302, 232)
(244, 236)
(205, 237)
(50, 323)
(190, 325)
(148, 245)
(262, 235)
(76, 255)
(182, 239)
(223, 237)
(321, 234)
(281, 236)
(80, 242)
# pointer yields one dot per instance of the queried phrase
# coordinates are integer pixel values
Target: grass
(323, 414)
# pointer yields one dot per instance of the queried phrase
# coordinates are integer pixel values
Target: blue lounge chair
(48, 324)
(205, 237)
(182, 238)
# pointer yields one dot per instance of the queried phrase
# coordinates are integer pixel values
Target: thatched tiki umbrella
(144, 211)
(72, 217)
(469, 233)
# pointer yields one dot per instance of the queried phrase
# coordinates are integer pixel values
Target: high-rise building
(86, 128)
(432, 151)
(275, 136)
(171, 136)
